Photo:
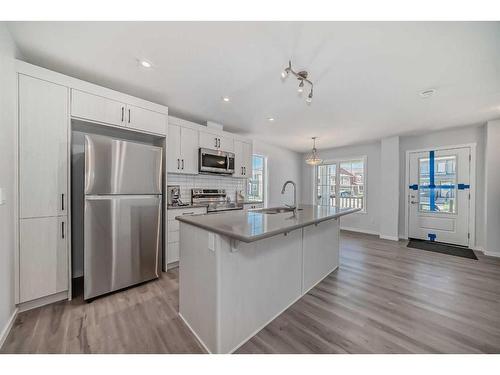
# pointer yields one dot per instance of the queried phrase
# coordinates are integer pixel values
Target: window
(256, 184)
(438, 194)
(341, 183)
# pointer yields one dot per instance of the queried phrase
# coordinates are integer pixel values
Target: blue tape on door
(463, 186)
(414, 187)
(432, 197)
(432, 236)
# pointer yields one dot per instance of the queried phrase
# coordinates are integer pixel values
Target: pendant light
(313, 158)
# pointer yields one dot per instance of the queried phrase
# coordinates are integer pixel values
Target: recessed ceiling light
(225, 99)
(145, 64)
(271, 119)
(427, 93)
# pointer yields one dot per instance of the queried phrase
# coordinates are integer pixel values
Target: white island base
(230, 290)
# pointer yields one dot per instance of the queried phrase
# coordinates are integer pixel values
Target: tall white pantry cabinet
(43, 188)
(47, 102)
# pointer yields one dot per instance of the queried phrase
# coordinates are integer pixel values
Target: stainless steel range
(216, 200)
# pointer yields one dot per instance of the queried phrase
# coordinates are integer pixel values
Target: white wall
(282, 165)
(456, 136)
(389, 185)
(7, 176)
(369, 221)
(492, 190)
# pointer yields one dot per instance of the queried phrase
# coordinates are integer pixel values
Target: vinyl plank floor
(384, 298)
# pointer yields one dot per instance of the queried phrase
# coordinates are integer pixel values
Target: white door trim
(472, 191)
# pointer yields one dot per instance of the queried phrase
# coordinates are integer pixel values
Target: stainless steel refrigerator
(122, 214)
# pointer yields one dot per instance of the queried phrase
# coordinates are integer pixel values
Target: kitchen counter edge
(249, 239)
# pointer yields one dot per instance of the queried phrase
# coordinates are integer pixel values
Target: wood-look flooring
(384, 298)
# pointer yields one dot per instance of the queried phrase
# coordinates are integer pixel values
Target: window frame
(264, 180)
(337, 161)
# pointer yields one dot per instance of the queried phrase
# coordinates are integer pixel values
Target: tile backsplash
(188, 182)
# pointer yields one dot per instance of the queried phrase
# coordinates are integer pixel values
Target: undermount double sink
(277, 210)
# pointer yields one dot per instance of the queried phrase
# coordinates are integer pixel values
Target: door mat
(442, 248)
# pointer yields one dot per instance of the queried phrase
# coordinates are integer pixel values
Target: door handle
(129, 115)
(182, 164)
(123, 112)
(62, 229)
(178, 164)
(62, 202)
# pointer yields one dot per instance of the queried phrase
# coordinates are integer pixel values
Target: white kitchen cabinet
(97, 108)
(145, 120)
(182, 150)
(172, 249)
(43, 257)
(189, 150)
(216, 141)
(173, 148)
(43, 148)
(243, 159)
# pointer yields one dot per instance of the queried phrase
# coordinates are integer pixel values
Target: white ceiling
(367, 75)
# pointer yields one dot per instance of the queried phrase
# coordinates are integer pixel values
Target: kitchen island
(241, 269)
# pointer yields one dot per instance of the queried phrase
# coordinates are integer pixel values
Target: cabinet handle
(182, 164)
(123, 112)
(129, 116)
(62, 229)
(188, 213)
(219, 142)
(178, 164)
(62, 202)
(215, 142)
(245, 171)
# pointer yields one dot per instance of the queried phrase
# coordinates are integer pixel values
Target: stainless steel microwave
(216, 161)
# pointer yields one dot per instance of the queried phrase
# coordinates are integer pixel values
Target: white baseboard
(390, 238)
(358, 230)
(8, 327)
(495, 254)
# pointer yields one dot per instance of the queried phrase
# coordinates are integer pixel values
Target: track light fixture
(302, 77)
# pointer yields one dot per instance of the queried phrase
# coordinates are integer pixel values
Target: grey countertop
(249, 226)
(188, 206)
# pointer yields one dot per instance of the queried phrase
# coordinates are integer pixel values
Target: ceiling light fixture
(427, 93)
(225, 99)
(145, 64)
(313, 158)
(302, 77)
(270, 119)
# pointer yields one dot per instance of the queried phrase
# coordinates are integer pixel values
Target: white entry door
(439, 195)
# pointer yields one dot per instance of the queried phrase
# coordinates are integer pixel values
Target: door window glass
(437, 186)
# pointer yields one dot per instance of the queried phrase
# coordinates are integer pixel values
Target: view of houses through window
(341, 184)
(256, 184)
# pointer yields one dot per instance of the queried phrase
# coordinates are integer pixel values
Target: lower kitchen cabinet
(173, 230)
(43, 257)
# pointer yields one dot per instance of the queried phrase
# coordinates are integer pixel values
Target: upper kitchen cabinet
(100, 109)
(97, 108)
(243, 158)
(146, 120)
(182, 149)
(43, 148)
(216, 141)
